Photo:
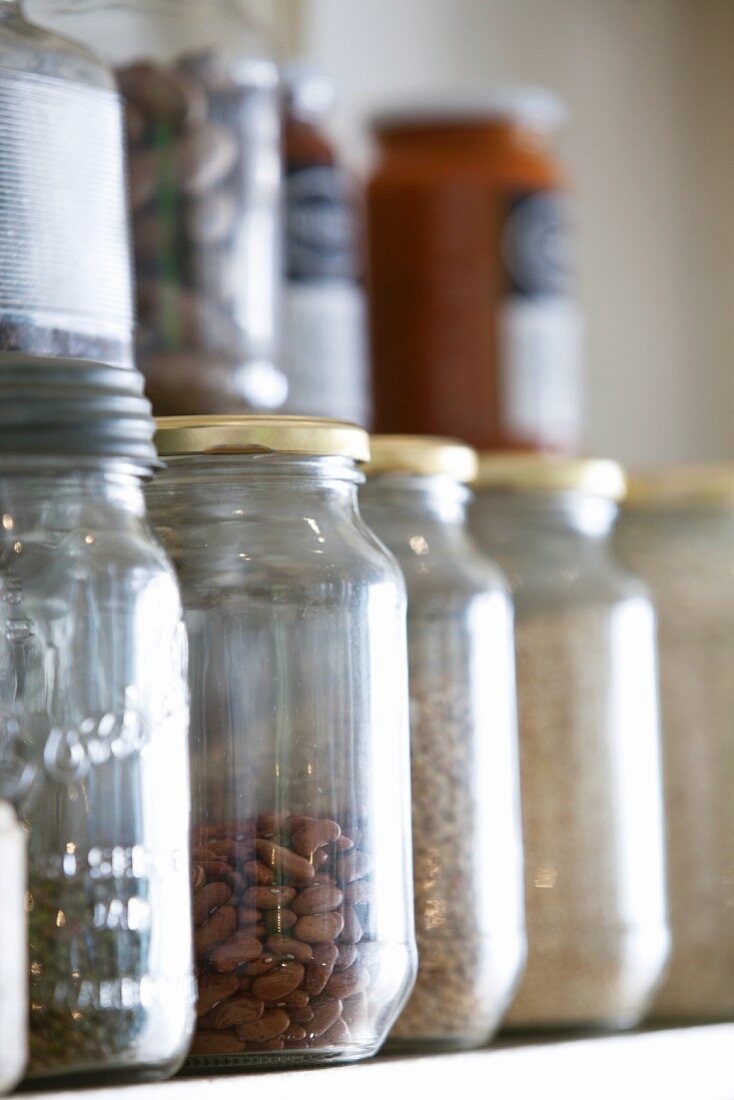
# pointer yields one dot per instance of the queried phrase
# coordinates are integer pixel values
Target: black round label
(321, 232)
(536, 244)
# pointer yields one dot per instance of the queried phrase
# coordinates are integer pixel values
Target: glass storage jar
(203, 136)
(589, 742)
(475, 326)
(93, 724)
(324, 304)
(299, 740)
(14, 955)
(61, 185)
(467, 843)
(677, 532)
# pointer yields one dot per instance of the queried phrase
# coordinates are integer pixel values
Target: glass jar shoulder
(31, 50)
(441, 577)
(572, 588)
(312, 557)
(688, 565)
(111, 557)
(162, 30)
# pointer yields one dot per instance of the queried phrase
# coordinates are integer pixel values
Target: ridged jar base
(273, 1060)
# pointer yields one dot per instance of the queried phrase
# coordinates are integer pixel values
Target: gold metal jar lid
(424, 455)
(530, 471)
(253, 434)
(695, 484)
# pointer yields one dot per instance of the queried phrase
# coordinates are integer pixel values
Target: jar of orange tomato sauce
(475, 327)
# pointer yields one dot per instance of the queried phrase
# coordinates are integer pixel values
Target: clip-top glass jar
(467, 844)
(204, 165)
(677, 532)
(14, 955)
(589, 752)
(93, 724)
(299, 737)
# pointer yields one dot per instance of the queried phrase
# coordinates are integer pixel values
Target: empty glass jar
(14, 955)
(204, 165)
(300, 774)
(589, 753)
(467, 844)
(677, 532)
(93, 724)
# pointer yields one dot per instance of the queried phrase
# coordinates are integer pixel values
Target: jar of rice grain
(589, 763)
(677, 532)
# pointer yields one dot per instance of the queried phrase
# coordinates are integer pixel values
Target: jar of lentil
(202, 106)
(93, 725)
(589, 753)
(14, 956)
(303, 913)
(467, 844)
(677, 532)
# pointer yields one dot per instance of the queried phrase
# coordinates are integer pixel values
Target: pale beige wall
(651, 151)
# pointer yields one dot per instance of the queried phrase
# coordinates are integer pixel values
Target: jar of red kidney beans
(296, 614)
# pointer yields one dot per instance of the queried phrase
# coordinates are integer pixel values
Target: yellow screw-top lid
(298, 435)
(422, 455)
(681, 485)
(530, 471)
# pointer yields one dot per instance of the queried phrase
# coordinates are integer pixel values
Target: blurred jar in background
(324, 321)
(589, 756)
(203, 133)
(677, 532)
(475, 329)
(14, 956)
(65, 285)
(467, 843)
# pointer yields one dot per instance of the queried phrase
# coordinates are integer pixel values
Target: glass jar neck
(162, 30)
(210, 488)
(703, 515)
(401, 499)
(550, 523)
(59, 494)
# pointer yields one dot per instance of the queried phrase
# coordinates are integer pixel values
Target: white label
(325, 351)
(541, 373)
(63, 223)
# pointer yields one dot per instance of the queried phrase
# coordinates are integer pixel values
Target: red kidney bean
(209, 898)
(271, 1024)
(213, 988)
(317, 899)
(283, 979)
(319, 928)
(286, 945)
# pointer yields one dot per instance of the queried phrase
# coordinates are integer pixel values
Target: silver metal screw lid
(74, 408)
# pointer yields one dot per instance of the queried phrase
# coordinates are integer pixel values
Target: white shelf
(694, 1063)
